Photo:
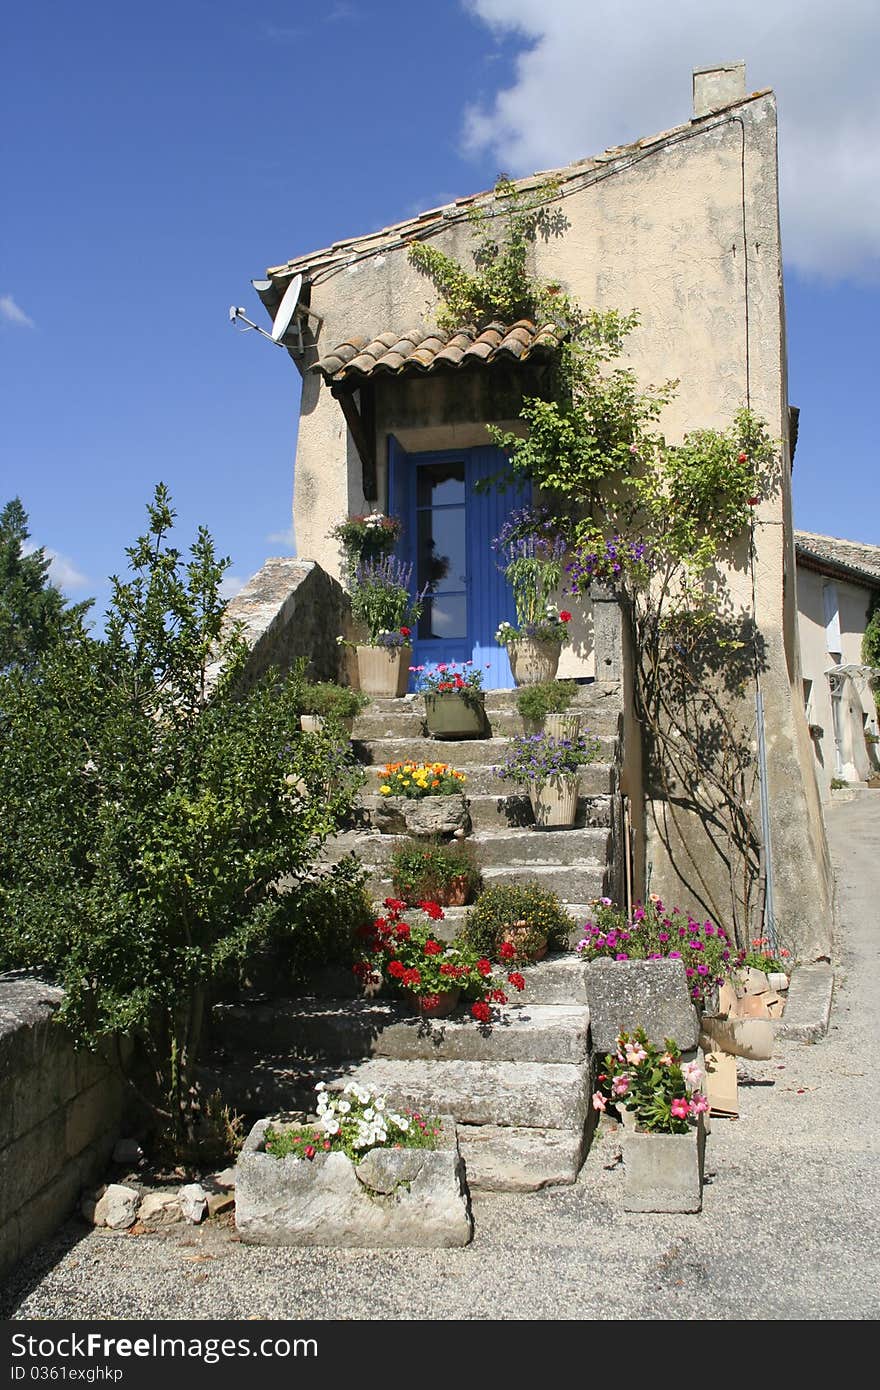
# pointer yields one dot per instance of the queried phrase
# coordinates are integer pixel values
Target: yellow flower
(385, 789)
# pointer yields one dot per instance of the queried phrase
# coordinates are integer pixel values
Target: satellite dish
(287, 309)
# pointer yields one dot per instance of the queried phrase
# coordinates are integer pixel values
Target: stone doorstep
(362, 1028)
(392, 1199)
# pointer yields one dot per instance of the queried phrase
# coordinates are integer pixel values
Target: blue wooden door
(448, 530)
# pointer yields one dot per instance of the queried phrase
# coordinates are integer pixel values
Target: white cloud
(231, 584)
(11, 313)
(287, 537)
(64, 573)
(594, 73)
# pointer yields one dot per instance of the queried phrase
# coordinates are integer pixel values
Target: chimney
(717, 87)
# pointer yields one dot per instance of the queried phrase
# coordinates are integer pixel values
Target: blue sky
(156, 158)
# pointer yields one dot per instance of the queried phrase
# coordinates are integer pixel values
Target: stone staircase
(519, 1089)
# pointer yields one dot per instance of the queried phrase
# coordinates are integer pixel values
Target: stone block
(159, 1209)
(10, 1244)
(506, 1158)
(30, 1163)
(193, 1201)
(650, 994)
(808, 1011)
(115, 1206)
(663, 1172)
(90, 1114)
(393, 1199)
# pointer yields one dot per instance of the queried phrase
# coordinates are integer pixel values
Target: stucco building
(682, 226)
(838, 581)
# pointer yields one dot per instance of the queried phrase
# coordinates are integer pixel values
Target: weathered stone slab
(115, 1206)
(649, 994)
(551, 1095)
(193, 1201)
(663, 1172)
(160, 1209)
(507, 1158)
(394, 1199)
(808, 1009)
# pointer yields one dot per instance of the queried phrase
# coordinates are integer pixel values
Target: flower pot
(562, 726)
(554, 801)
(455, 893)
(532, 661)
(664, 1172)
(392, 1199)
(531, 957)
(432, 1005)
(451, 715)
(383, 671)
(435, 815)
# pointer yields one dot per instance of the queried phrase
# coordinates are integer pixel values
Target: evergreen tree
(33, 613)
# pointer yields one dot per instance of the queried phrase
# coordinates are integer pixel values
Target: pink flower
(679, 1109)
(620, 1085)
(599, 1102)
(692, 1074)
(698, 1106)
(635, 1053)
(666, 1060)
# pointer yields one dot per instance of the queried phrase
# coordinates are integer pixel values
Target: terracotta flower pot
(554, 801)
(432, 1005)
(532, 661)
(450, 715)
(383, 671)
(535, 954)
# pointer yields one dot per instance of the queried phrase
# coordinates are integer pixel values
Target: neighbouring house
(838, 583)
(682, 226)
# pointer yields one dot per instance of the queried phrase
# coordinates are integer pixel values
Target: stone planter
(563, 726)
(450, 715)
(664, 1172)
(532, 661)
(554, 802)
(383, 671)
(391, 1199)
(652, 994)
(434, 815)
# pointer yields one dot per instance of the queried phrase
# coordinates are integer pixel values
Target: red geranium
(517, 980)
(508, 951)
(433, 948)
(484, 966)
(481, 1011)
(405, 632)
(565, 616)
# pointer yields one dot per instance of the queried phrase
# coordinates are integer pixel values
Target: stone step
(595, 779)
(539, 1095)
(502, 723)
(508, 1158)
(459, 753)
(489, 812)
(359, 1028)
(591, 695)
(558, 979)
(498, 848)
(572, 883)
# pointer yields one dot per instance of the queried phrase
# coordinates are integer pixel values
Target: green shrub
(425, 871)
(323, 916)
(525, 911)
(331, 701)
(544, 697)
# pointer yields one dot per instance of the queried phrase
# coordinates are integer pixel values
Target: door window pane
(440, 485)
(445, 615)
(442, 557)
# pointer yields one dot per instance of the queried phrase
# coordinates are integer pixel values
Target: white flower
(330, 1124)
(379, 1103)
(692, 1074)
(401, 1121)
(343, 1107)
(321, 1086)
(369, 1113)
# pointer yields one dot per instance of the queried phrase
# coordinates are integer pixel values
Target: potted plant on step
(544, 706)
(365, 537)
(548, 767)
(428, 974)
(437, 871)
(531, 550)
(454, 700)
(664, 1141)
(382, 603)
(335, 704)
(428, 796)
(517, 923)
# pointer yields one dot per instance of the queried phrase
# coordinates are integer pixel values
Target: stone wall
(290, 609)
(60, 1112)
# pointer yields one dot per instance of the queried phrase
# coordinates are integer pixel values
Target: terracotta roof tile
(858, 557)
(421, 350)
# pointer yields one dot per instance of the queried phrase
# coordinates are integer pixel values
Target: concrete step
(489, 812)
(360, 1028)
(460, 753)
(594, 695)
(558, 979)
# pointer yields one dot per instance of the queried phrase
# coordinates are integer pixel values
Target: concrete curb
(808, 1010)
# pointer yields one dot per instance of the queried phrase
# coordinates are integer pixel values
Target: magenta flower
(679, 1109)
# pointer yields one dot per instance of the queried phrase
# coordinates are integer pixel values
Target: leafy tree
(155, 812)
(32, 610)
